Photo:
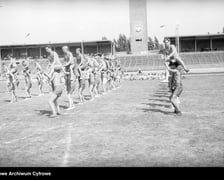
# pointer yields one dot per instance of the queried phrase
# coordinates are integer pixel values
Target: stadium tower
(138, 26)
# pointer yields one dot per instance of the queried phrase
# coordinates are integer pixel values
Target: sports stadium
(130, 121)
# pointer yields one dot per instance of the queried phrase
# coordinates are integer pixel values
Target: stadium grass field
(130, 126)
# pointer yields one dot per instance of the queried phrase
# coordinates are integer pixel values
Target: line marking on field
(68, 145)
(40, 132)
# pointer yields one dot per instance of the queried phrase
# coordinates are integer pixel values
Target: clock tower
(138, 26)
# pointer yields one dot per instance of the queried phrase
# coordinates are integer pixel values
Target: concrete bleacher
(193, 60)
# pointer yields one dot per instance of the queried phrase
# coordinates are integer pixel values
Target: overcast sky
(77, 20)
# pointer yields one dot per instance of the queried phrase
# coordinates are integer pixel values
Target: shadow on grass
(22, 97)
(160, 100)
(44, 112)
(74, 102)
(63, 107)
(163, 86)
(161, 92)
(87, 97)
(158, 111)
(155, 105)
(7, 100)
(35, 95)
(160, 96)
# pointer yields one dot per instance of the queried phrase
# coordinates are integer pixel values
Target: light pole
(82, 47)
(164, 57)
(0, 56)
(177, 38)
(163, 27)
(27, 36)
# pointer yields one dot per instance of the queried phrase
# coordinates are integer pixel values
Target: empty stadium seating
(155, 62)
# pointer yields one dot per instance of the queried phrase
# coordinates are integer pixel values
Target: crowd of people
(144, 76)
(94, 71)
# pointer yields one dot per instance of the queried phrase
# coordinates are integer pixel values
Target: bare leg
(57, 106)
(81, 89)
(40, 85)
(41, 88)
(182, 63)
(52, 103)
(71, 104)
(91, 90)
(29, 88)
(98, 89)
(104, 85)
(12, 96)
(175, 104)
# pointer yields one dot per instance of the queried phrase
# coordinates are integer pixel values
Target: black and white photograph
(102, 83)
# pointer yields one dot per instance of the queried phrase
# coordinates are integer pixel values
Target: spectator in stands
(139, 71)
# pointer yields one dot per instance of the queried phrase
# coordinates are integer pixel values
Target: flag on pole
(162, 26)
(27, 35)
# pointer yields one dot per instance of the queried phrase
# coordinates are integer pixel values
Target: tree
(104, 38)
(162, 49)
(150, 44)
(156, 42)
(122, 43)
(129, 46)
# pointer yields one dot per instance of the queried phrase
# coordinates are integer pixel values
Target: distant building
(199, 43)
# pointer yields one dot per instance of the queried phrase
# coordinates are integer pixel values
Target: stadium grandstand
(200, 43)
(37, 51)
(202, 51)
